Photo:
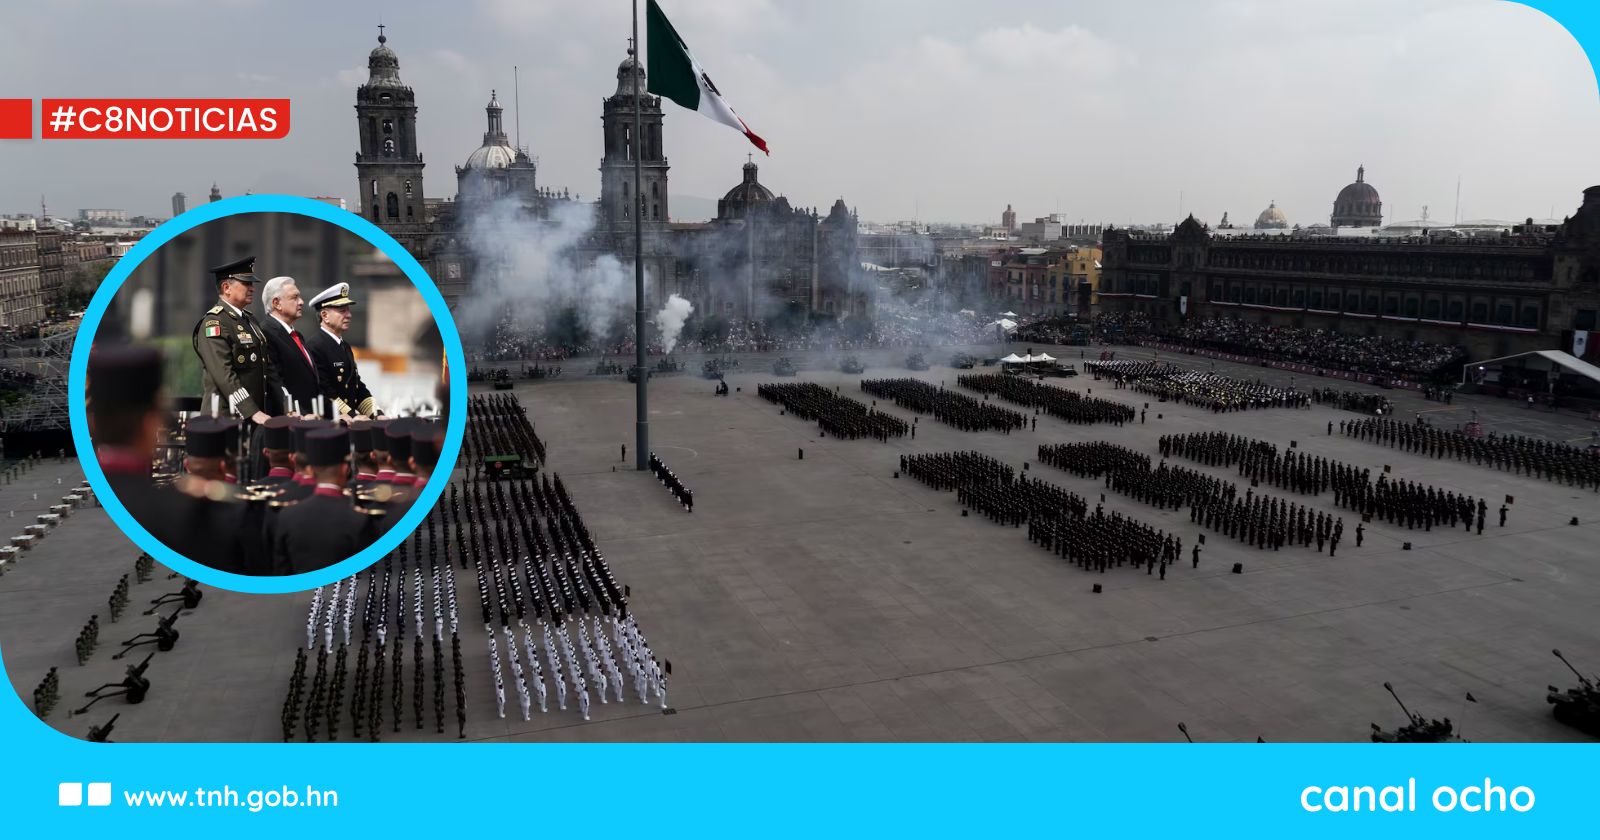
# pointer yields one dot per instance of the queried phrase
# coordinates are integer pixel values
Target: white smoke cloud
(669, 321)
(526, 268)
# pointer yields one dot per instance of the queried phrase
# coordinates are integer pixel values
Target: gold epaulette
(200, 488)
(215, 310)
(380, 493)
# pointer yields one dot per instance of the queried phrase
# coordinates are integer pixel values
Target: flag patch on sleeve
(213, 329)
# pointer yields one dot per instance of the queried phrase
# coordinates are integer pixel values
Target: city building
(180, 203)
(1519, 290)
(22, 299)
(1008, 220)
(760, 256)
(103, 216)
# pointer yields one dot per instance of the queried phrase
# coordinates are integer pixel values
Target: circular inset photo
(266, 394)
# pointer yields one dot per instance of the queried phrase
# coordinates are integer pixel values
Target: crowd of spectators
(1369, 354)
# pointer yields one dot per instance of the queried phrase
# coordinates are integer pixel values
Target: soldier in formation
(1059, 403)
(950, 407)
(837, 415)
(1519, 454)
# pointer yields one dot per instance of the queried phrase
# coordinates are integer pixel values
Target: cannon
(102, 734)
(164, 637)
(1418, 730)
(501, 379)
(915, 361)
(633, 373)
(1577, 707)
(712, 369)
(851, 365)
(190, 595)
(784, 367)
(962, 361)
(134, 686)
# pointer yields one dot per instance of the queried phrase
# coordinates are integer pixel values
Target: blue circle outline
(454, 356)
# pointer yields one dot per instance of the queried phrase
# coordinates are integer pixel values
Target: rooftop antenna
(516, 104)
(1458, 199)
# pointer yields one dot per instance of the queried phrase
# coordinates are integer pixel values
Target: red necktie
(296, 335)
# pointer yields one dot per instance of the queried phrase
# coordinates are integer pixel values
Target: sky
(935, 110)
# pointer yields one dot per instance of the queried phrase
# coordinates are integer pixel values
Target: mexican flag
(671, 71)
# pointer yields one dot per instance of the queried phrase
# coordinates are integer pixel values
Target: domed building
(1358, 204)
(761, 257)
(744, 197)
(1272, 218)
(496, 169)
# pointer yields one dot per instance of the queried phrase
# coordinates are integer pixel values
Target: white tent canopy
(1005, 324)
(1543, 360)
(1044, 357)
(1008, 314)
(1013, 359)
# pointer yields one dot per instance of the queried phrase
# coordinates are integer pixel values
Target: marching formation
(1521, 455)
(674, 485)
(1059, 403)
(1217, 392)
(498, 425)
(555, 621)
(949, 407)
(840, 416)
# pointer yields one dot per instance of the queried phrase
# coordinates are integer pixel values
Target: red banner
(164, 119)
(16, 119)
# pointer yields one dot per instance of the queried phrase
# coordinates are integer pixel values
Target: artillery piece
(1418, 730)
(1577, 707)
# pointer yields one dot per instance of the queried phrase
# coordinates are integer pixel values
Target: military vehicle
(712, 369)
(784, 367)
(1418, 730)
(852, 365)
(1577, 707)
(963, 361)
(916, 362)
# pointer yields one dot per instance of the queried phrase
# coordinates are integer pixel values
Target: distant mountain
(693, 208)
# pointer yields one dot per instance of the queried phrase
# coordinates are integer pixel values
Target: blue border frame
(783, 790)
(268, 204)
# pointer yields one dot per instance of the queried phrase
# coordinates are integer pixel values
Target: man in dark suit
(336, 362)
(322, 529)
(296, 370)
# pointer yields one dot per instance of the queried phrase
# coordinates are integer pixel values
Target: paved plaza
(823, 599)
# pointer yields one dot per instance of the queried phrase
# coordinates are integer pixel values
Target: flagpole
(641, 444)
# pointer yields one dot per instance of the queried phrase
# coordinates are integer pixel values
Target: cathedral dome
(1358, 204)
(491, 156)
(1272, 218)
(749, 191)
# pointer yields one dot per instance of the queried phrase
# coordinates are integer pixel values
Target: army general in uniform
(238, 370)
